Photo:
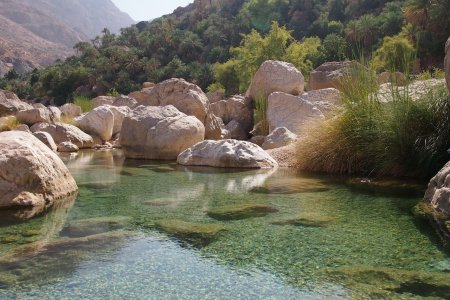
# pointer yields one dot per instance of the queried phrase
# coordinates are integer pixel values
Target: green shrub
(262, 125)
(404, 137)
(84, 102)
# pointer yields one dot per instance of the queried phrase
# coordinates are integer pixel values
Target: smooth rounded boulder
(235, 108)
(33, 116)
(278, 138)
(10, 104)
(30, 173)
(70, 110)
(99, 122)
(61, 132)
(47, 139)
(276, 76)
(188, 98)
(159, 132)
(227, 154)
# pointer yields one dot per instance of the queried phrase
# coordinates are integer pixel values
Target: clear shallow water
(321, 239)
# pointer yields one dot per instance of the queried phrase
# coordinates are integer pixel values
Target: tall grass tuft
(84, 102)
(261, 114)
(403, 137)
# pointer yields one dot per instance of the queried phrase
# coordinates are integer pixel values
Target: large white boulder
(61, 132)
(276, 76)
(278, 138)
(227, 154)
(187, 98)
(10, 104)
(99, 122)
(292, 112)
(30, 173)
(159, 132)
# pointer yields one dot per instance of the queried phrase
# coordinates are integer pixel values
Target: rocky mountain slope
(35, 33)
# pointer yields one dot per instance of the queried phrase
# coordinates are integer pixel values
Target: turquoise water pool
(153, 230)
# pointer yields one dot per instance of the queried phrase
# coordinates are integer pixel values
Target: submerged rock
(240, 211)
(387, 186)
(291, 186)
(85, 227)
(386, 282)
(30, 173)
(305, 219)
(226, 154)
(198, 234)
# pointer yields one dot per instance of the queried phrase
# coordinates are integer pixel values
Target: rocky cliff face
(35, 33)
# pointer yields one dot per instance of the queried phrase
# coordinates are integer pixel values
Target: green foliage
(84, 102)
(260, 117)
(396, 53)
(216, 87)
(403, 137)
(113, 93)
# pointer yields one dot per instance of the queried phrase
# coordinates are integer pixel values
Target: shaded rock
(258, 140)
(55, 113)
(226, 154)
(306, 220)
(396, 78)
(30, 173)
(86, 227)
(187, 98)
(22, 127)
(67, 147)
(278, 138)
(119, 112)
(240, 211)
(292, 112)
(65, 133)
(324, 99)
(153, 132)
(235, 131)
(46, 138)
(143, 96)
(70, 110)
(125, 101)
(235, 108)
(215, 96)
(33, 116)
(331, 75)
(10, 104)
(197, 234)
(99, 121)
(447, 63)
(276, 76)
(102, 100)
(438, 192)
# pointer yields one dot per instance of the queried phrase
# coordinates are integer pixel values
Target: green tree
(395, 54)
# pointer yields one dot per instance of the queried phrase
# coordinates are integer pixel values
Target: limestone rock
(55, 113)
(147, 85)
(155, 132)
(215, 96)
(70, 110)
(67, 147)
(187, 98)
(33, 116)
(65, 133)
(330, 75)
(235, 108)
(447, 63)
(438, 192)
(125, 101)
(30, 173)
(324, 99)
(99, 121)
(142, 96)
(278, 138)
(226, 154)
(119, 112)
(102, 100)
(258, 140)
(290, 111)
(23, 127)
(276, 76)
(10, 104)
(46, 138)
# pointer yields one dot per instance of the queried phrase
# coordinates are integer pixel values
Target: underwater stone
(242, 211)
